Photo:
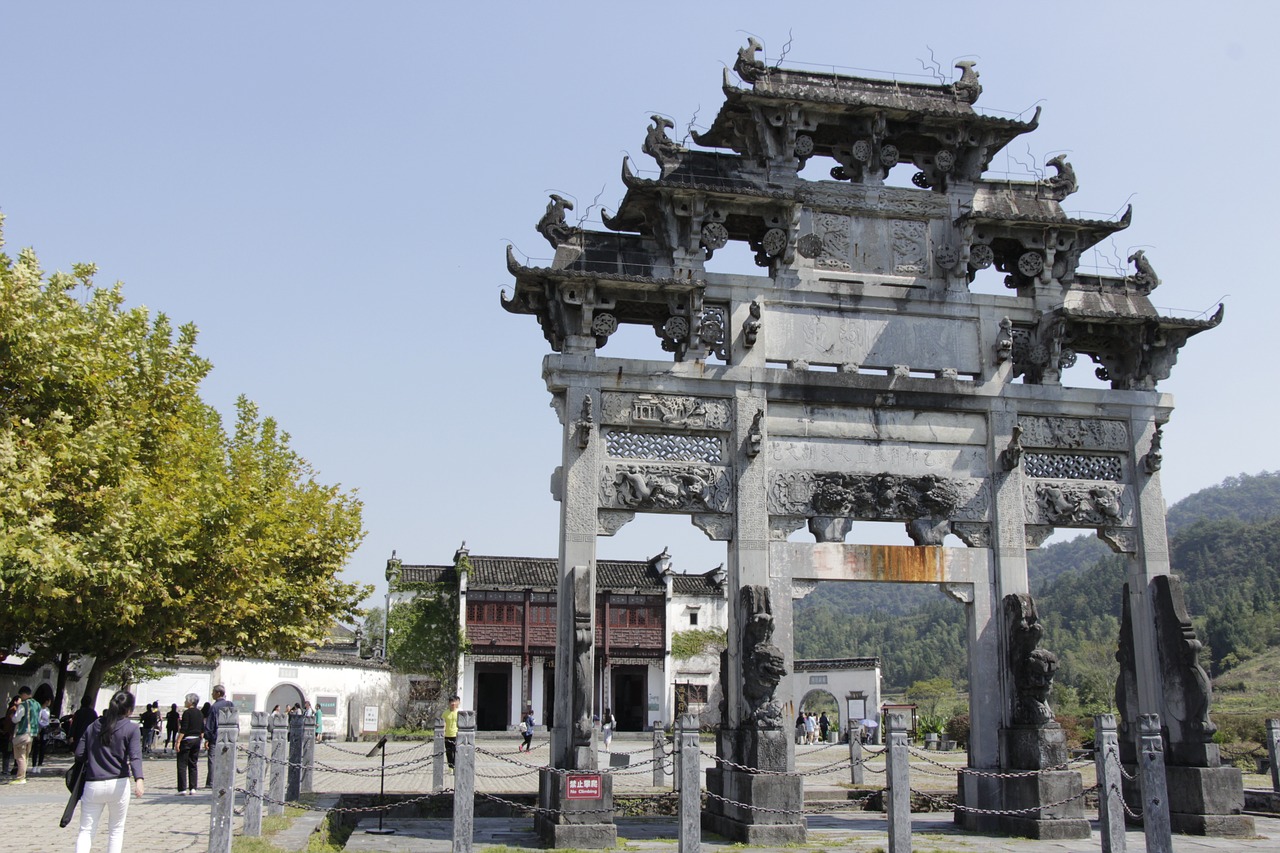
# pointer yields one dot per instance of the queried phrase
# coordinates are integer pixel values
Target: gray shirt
(119, 759)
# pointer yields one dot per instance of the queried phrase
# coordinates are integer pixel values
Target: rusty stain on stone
(906, 564)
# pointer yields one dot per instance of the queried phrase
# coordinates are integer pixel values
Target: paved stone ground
(162, 822)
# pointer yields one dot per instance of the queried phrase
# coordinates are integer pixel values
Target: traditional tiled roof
(815, 664)
(541, 573)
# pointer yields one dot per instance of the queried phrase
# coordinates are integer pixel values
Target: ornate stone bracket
(961, 592)
(1037, 533)
(586, 424)
(719, 528)
(1123, 540)
(751, 328)
(800, 589)
(610, 521)
(1155, 458)
(975, 534)
(1011, 456)
(755, 435)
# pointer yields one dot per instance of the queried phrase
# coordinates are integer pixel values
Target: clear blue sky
(326, 190)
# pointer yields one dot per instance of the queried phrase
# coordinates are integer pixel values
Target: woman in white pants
(112, 752)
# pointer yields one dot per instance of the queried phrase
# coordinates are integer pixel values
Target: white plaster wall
(260, 677)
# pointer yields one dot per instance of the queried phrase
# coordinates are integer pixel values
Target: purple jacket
(119, 760)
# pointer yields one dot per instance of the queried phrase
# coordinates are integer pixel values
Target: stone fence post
(659, 756)
(856, 759)
(898, 781)
(295, 759)
(255, 784)
(437, 757)
(308, 752)
(1155, 790)
(223, 781)
(677, 756)
(279, 728)
(464, 783)
(690, 787)
(1106, 758)
(1273, 750)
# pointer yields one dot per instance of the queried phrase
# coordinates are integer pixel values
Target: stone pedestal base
(1202, 800)
(753, 825)
(1053, 797)
(1065, 820)
(581, 823)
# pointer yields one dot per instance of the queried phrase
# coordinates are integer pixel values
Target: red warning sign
(583, 787)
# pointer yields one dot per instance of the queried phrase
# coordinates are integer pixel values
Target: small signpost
(583, 786)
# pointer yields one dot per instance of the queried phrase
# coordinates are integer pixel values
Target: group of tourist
(811, 728)
(110, 748)
(25, 731)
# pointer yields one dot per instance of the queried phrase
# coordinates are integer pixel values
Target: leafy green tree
(130, 523)
(425, 636)
(931, 694)
(375, 620)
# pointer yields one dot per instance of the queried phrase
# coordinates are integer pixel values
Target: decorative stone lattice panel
(880, 497)
(663, 447)
(669, 410)
(1074, 433)
(1068, 503)
(665, 488)
(1074, 466)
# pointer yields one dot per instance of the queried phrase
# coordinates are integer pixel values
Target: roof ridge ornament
(552, 225)
(967, 88)
(748, 66)
(1144, 276)
(661, 147)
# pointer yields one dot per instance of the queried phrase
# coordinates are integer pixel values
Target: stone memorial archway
(859, 377)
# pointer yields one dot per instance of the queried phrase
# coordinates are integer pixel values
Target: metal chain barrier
(987, 774)
(1008, 812)
(1136, 815)
(765, 809)
(538, 809)
(349, 771)
(364, 753)
(298, 804)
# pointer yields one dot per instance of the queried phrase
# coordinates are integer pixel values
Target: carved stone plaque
(871, 340)
(665, 410)
(1074, 433)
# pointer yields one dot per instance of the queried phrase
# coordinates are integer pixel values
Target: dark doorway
(548, 717)
(630, 697)
(493, 697)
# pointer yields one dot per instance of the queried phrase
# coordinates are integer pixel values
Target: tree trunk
(98, 673)
(63, 659)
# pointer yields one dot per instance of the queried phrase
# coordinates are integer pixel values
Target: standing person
(112, 752)
(526, 729)
(608, 723)
(26, 724)
(171, 721)
(824, 725)
(80, 721)
(800, 728)
(810, 728)
(451, 730)
(6, 735)
(220, 701)
(150, 721)
(43, 697)
(319, 723)
(190, 730)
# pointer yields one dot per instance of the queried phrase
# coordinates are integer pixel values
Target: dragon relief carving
(1032, 667)
(672, 488)
(763, 665)
(887, 497)
(1068, 504)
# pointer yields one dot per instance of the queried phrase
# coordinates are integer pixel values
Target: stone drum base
(1202, 801)
(583, 806)
(772, 812)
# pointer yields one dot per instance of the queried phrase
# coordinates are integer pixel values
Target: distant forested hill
(1225, 545)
